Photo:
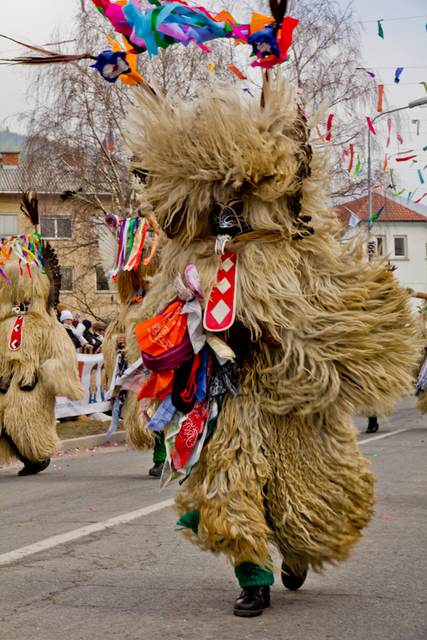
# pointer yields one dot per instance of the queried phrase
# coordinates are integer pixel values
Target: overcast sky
(404, 45)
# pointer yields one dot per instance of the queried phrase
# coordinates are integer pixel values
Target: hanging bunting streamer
(380, 29)
(389, 131)
(385, 163)
(425, 87)
(356, 171)
(236, 71)
(420, 176)
(343, 155)
(399, 137)
(419, 199)
(380, 98)
(368, 72)
(397, 74)
(362, 167)
(329, 127)
(398, 194)
(391, 178)
(351, 157)
(376, 215)
(404, 159)
(26, 247)
(371, 128)
(210, 67)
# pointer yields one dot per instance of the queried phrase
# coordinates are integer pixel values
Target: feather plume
(46, 56)
(278, 10)
(29, 206)
(53, 272)
(106, 247)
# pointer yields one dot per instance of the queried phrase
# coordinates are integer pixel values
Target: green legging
(248, 574)
(159, 450)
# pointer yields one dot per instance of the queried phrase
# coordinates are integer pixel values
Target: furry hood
(222, 146)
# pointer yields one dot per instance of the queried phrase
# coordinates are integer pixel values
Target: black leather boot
(372, 425)
(31, 468)
(156, 471)
(291, 580)
(252, 601)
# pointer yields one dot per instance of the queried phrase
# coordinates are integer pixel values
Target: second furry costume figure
(38, 360)
(317, 330)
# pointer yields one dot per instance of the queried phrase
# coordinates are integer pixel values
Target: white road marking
(18, 554)
(384, 435)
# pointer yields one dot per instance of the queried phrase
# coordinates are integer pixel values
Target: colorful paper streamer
(389, 131)
(236, 71)
(380, 98)
(371, 128)
(351, 157)
(420, 176)
(329, 127)
(380, 29)
(376, 215)
(397, 74)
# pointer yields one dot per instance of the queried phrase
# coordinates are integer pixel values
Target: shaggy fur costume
(129, 283)
(46, 359)
(320, 332)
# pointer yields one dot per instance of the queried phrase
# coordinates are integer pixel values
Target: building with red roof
(399, 233)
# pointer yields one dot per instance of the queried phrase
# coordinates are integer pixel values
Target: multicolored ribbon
(26, 247)
(132, 233)
(161, 24)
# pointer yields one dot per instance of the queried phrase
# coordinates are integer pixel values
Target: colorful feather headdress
(159, 24)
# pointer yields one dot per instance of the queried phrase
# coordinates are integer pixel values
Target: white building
(399, 233)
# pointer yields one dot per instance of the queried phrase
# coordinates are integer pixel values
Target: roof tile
(392, 212)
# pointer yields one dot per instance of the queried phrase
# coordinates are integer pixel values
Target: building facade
(67, 225)
(399, 234)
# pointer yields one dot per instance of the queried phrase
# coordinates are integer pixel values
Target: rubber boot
(372, 425)
(31, 468)
(291, 580)
(252, 601)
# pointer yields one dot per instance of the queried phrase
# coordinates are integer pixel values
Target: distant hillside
(11, 141)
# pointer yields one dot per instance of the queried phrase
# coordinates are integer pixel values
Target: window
(8, 224)
(67, 279)
(400, 247)
(380, 245)
(59, 225)
(101, 280)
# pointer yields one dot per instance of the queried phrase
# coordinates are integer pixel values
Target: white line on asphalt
(18, 554)
(384, 435)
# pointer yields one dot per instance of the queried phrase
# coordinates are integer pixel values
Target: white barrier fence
(94, 381)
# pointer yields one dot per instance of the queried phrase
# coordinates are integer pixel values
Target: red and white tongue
(221, 308)
(16, 334)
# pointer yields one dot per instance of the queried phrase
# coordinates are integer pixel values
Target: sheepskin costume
(44, 366)
(319, 331)
(130, 284)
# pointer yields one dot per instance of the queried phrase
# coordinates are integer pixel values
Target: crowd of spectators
(86, 336)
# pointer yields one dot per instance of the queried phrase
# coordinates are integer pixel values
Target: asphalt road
(140, 580)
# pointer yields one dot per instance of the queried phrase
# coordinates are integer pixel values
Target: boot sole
(241, 613)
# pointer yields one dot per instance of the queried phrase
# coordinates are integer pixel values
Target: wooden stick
(417, 294)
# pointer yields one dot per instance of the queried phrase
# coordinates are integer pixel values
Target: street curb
(92, 441)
